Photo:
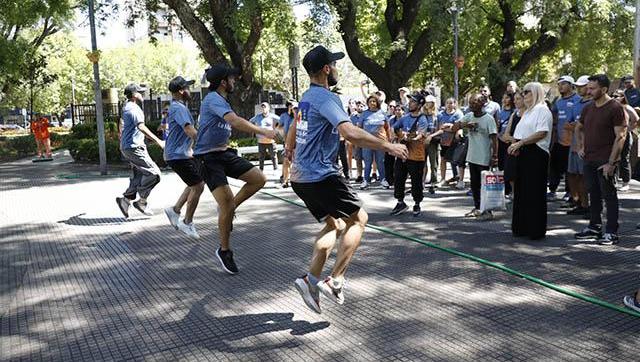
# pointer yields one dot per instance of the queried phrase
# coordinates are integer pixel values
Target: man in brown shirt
(600, 137)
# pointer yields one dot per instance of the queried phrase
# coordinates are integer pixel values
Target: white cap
(405, 89)
(430, 98)
(582, 81)
(566, 78)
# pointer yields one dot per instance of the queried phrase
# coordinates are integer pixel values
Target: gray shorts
(576, 164)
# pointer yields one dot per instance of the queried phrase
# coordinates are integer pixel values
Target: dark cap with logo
(219, 72)
(627, 78)
(178, 83)
(318, 57)
(418, 98)
(133, 88)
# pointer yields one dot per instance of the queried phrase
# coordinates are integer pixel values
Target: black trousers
(530, 189)
(502, 158)
(625, 165)
(389, 165)
(342, 155)
(415, 170)
(262, 149)
(600, 188)
(475, 173)
(558, 165)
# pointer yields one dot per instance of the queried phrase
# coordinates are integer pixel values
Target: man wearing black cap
(179, 155)
(218, 161)
(145, 173)
(411, 129)
(314, 138)
(631, 93)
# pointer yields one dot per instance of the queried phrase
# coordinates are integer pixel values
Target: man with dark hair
(181, 134)
(601, 133)
(218, 161)
(631, 93)
(267, 120)
(314, 138)
(285, 121)
(145, 174)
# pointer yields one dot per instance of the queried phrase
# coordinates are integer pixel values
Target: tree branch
(198, 31)
(249, 47)
(419, 51)
(390, 18)
(48, 29)
(221, 16)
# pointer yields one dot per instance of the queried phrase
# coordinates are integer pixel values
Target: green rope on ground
(488, 263)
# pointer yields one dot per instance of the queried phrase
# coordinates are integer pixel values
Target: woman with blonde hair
(533, 137)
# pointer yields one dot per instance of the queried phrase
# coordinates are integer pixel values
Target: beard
(332, 80)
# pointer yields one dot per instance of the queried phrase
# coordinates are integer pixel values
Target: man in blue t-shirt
(218, 161)
(563, 116)
(179, 155)
(286, 119)
(145, 173)
(313, 143)
(631, 93)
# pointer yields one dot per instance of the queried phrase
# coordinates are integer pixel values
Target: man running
(218, 161)
(145, 174)
(179, 155)
(315, 175)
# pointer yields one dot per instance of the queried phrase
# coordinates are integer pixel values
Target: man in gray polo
(145, 174)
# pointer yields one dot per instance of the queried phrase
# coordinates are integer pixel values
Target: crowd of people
(582, 139)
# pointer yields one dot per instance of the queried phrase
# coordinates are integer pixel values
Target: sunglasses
(525, 92)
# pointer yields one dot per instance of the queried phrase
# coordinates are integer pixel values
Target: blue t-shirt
(266, 122)
(165, 132)
(285, 121)
(563, 108)
(503, 119)
(633, 97)
(373, 122)
(407, 121)
(132, 116)
(448, 118)
(317, 137)
(214, 131)
(356, 120)
(178, 143)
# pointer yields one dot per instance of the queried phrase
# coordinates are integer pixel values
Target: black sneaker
(578, 211)
(374, 177)
(359, 179)
(609, 239)
(589, 232)
(285, 185)
(281, 179)
(399, 209)
(226, 259)
(142, 207)
(123, 204)
(416, 210)
(569, 205)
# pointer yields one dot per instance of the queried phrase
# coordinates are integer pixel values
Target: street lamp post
(98, 94)
(294, 61)
(636, 46)
(454, 11)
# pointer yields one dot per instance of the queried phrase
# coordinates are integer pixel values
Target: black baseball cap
(418, 98)
(133, 88)
(219, 72)
(627, 78)
(318, 57)
(178, 83)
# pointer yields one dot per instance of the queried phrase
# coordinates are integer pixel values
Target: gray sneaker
(309, 293)
(332, 290)
(631, 302)
(123, 204)
(173, 216)
(142, 207)
(609, 239)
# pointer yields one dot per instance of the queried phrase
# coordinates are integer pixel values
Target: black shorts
(217, 165)
(329, 197)
(188, 170)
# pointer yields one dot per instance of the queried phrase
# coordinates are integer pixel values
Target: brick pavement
(78, 282)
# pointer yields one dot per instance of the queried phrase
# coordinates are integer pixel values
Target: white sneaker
(310, 297)
(173, 216)
(624, 187)
(188, 229)
(364, 185)
(473, 213)
(384, 184)
(332, 289)
(460, 185)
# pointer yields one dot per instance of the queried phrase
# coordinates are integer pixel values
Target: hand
(269, 133)
(427, 139)
(581, 151)
(398, 150)
(607, 170)
(514, 149)
(472, 126)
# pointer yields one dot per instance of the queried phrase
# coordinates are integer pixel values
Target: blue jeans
(368, 156)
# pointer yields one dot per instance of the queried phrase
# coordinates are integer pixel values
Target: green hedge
(86, 150)
(243, 142)
(90, 130)
(22, 146)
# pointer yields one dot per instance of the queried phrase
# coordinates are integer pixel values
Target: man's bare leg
(193, 198)
(254, 180)
(226, 208)
(325, 241)
(182, 200)
(582, 191)
(351, 237)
